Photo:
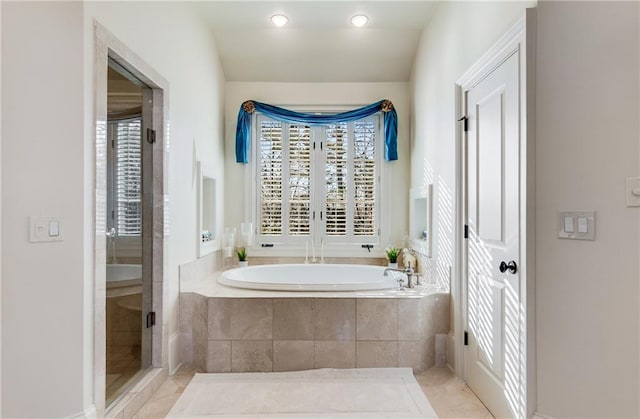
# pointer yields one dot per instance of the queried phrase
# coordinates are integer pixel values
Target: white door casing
(493, 225)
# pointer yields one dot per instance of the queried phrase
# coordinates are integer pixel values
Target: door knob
(511, 267)
(111, 232)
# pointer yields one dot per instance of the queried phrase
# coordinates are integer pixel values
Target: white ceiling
(318, 44)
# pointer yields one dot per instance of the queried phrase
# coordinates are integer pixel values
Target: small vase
(243, 263)
(393, 265)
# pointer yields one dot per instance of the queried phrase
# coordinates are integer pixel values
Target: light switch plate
(582, 227)
(44, 229)
(633, 191)
(569, 225)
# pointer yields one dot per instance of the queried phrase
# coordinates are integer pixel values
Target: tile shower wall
(284, 334)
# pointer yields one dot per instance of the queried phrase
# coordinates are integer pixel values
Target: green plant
(392, 254)
(242, 254)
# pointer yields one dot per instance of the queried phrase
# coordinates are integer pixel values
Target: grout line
(355, 338)
(273, 337)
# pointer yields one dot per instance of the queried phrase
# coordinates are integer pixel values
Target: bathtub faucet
(408, 271)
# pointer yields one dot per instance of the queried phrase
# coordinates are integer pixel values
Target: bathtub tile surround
(193, 308)
(293, 355)
(201, 267)
(376, 354)
(335, 318)
(293, 319)
(232, 318)
(334, 354)
(251, 356)
(225, 329)
(218, 355)
(413, 354)
(441, 349)
(199, 323)
(283, 334)
(377, 319)
(410, 322)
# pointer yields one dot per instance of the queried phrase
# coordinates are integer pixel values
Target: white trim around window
(344, 236)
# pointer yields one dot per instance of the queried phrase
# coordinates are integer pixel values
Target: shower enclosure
(128, 299)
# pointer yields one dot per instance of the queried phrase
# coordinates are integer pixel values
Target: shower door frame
(108, 47)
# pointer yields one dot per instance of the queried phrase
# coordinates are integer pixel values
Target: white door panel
(493, 364)
(489, 113)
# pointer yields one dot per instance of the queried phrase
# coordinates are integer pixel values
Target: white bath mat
(324, 393)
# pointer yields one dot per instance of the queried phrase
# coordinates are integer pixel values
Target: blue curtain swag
(249, 107)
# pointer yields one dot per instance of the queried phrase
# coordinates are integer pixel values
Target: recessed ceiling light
(279, 20)
(359, 20)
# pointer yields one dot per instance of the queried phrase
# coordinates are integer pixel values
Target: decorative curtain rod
(243, 129)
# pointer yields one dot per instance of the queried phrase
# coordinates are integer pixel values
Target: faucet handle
(418, 275)
(409, 270)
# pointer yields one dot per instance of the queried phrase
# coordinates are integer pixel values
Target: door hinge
(151, 319)
(466, 338)
(314, 145)
(151, 135)
(466, 231)
(465, 123)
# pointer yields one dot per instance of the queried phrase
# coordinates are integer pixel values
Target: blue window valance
(243, 130)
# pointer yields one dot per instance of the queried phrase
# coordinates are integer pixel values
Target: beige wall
(47, 153)
(320, 94)
(587, 144)
(456, 37)
(172, 39)
(42, 170)
(196, 94)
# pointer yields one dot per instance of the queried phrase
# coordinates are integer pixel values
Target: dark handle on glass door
(511, 267)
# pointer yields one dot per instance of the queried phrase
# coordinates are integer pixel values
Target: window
(316, 182)
(126, 213)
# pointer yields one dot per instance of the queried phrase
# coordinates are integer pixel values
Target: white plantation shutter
(319, 181)
(270, 148)
(299, 144)
(128, 153)
(364, 176)
(336, 179)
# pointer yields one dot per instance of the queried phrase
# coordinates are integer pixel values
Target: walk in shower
(128, 344)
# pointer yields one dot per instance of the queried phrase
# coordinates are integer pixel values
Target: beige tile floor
(448, 395)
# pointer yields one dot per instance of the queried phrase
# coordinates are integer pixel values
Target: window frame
(113, 160)
(334, 246)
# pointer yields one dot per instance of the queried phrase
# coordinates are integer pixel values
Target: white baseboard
(538, 415)
(89, 413)
(175, 356)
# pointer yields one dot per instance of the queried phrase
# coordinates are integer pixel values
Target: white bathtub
(310, 277)
(123, 272)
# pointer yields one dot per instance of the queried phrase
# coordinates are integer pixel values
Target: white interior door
(493, 323)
